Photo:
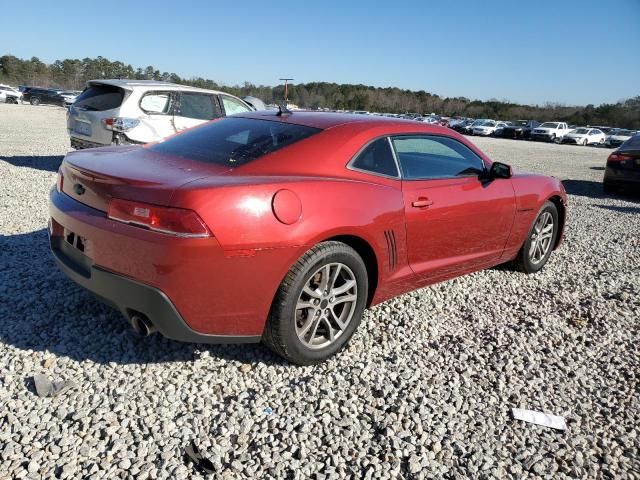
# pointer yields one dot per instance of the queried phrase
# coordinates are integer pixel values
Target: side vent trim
(392, 249)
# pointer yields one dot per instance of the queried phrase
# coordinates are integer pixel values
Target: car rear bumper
(220, 295)
(79, 143)
(131, 297)
(627, 179)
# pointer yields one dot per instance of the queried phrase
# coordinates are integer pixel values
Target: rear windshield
(233, 141)
(100, 97)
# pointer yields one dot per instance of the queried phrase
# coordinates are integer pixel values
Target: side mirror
(500, 170)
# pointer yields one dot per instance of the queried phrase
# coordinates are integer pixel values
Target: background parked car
(519, 129)
(623, 168)
(44, 96)
(141, 111)
(69, 96)
(487, 128)
(9, 94)
(584, 136)
(550, 131)
(618, 136)
(468, 130)
(461, 125)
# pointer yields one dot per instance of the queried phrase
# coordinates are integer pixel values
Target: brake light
(618, 157)
(120, 124)
(180, 222)
(60, 180)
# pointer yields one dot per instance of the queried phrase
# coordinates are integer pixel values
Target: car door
(457, 220)
(194, 108)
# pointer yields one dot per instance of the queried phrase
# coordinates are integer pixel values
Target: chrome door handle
(422, 203)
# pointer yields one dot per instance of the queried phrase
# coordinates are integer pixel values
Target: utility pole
(286, 88)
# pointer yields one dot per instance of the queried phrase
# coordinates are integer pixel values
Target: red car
(284, 227)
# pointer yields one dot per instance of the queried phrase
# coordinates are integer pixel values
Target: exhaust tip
(142, 325)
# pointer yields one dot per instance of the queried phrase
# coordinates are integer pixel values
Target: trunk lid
(95, 176)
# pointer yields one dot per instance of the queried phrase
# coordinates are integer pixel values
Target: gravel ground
(423, 391)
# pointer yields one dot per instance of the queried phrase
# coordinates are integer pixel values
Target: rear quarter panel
(239, 212)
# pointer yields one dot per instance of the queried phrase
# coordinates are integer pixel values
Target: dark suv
(37, 96)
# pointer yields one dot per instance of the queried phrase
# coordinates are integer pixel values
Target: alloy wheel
(326, 305)
(541, 237)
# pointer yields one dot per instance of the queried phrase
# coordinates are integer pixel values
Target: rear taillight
(617, 157)
(60, 180)
(120, 124)
(173, 221)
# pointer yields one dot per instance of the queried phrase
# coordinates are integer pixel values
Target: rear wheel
(538, 246)
(319, 304)
(34, 101)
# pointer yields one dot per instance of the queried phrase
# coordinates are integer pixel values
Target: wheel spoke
(345, 298)
(304, 304)
(334, 277)
(311, 293)
(305, 327)
(336, 319)
(324, 281)
(332, 333)
(348, 285)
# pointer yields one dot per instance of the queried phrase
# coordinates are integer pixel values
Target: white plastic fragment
(539, 418)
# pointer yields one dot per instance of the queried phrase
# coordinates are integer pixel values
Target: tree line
(74, 73)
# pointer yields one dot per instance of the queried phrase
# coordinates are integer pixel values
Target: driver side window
(430, 157)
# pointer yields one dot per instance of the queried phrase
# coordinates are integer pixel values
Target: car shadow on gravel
(48, 163)
(591, 189)
(42, 311)
(617, 208)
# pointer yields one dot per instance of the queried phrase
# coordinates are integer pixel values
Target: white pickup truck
(550, 131)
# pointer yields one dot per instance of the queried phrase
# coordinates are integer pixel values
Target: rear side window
(232, 105)
(233, 141)
(377, 158)
(100, 97)
(431, 157)
(157, 102)
(199, 106)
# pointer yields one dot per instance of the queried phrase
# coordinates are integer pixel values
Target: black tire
(34, 101)
(523, 261)
(585, 142)
(552, 139)
(280, 331)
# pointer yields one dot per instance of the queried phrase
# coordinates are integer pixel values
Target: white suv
(9, 94)
(140, 111)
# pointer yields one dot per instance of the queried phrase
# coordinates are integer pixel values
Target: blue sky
(572, 52)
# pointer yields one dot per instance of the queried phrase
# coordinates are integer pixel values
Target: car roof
(132, 84)
(325, 120)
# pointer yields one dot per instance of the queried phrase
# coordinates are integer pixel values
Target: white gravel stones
(424, 390)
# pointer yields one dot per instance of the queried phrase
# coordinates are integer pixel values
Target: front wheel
(34, 101)
(537, 248)
(584, 142)
(552, 139)
(319, 304)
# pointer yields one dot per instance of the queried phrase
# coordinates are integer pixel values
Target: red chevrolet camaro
(283, 227)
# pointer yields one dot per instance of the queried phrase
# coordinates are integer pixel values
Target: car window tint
(233, 141)
(377, 157)
(156, 102)
(198, 106)
(429, 157)
(232, 105)
(100, 97)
